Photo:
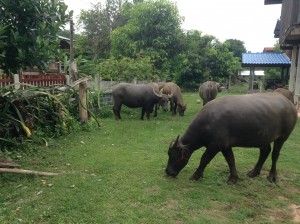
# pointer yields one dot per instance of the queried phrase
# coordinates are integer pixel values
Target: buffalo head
(163, 98)
(181, 109)
(163, 102)
(178, 157)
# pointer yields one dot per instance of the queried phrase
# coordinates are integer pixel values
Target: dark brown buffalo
(137, 95)
(175, 99)
(254, 120)
(287, 93)
(208, 91)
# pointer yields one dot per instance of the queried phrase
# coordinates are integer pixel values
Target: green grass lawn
(115, 174)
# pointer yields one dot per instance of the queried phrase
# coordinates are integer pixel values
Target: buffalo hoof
(195, 178)
(232, 180)
(272, 178)
(252, 173)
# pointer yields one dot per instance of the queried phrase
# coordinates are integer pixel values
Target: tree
(152, 30)
(126, 69)
(97, 24)
(222, 62)
(2, 42)
(193, 69)
(205, 58)
(275, 73)
(237, 47)
(31, 32)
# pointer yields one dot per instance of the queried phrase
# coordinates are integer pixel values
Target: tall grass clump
(36, 113)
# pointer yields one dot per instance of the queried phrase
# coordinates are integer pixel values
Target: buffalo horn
(157, 94)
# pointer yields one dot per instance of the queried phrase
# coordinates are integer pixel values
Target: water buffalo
(208, 91)
(287, 93)
(175, 99)
(254, 120)
(162, 102)
(137, 95)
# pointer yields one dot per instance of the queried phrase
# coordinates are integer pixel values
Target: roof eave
(271, 2)
(266, 65)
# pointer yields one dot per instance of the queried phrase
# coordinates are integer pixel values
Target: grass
(115, 174)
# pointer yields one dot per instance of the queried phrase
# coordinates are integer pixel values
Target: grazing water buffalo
(137, 95)
(175, 99)
(164, 101)
(254, 120)
(208, 91)
(287, 93)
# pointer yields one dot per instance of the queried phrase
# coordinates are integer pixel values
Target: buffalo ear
(174, 143)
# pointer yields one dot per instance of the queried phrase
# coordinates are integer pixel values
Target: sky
(247, 20)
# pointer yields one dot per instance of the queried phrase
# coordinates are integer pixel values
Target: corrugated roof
(270, 59)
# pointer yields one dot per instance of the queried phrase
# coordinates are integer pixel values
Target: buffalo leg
(275, 154)
(229, 156)
(171, 105)
(143, 113)
(174, 109)
(155, 110)
(116, 110)
(149, 109)
(148, 114)
(263, 155)
(207, 156)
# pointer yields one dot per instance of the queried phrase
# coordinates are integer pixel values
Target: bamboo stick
(21, 171)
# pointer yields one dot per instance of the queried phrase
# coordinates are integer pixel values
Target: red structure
(34, 79)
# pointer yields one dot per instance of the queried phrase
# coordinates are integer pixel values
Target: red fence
(33, 78)
(42, 80)
(6, 80)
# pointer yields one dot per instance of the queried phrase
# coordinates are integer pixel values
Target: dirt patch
(170, 205)
(296, 212)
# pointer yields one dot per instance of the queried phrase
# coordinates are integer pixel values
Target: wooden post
(297, 82)
(17, 81)
(293, 70)
(73, 69)
(83, 113)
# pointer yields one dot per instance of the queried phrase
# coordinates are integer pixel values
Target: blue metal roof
(270, 59)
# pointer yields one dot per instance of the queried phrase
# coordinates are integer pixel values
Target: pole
(72, 61)
(251, 79)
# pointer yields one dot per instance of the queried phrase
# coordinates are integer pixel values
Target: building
(287, 29)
